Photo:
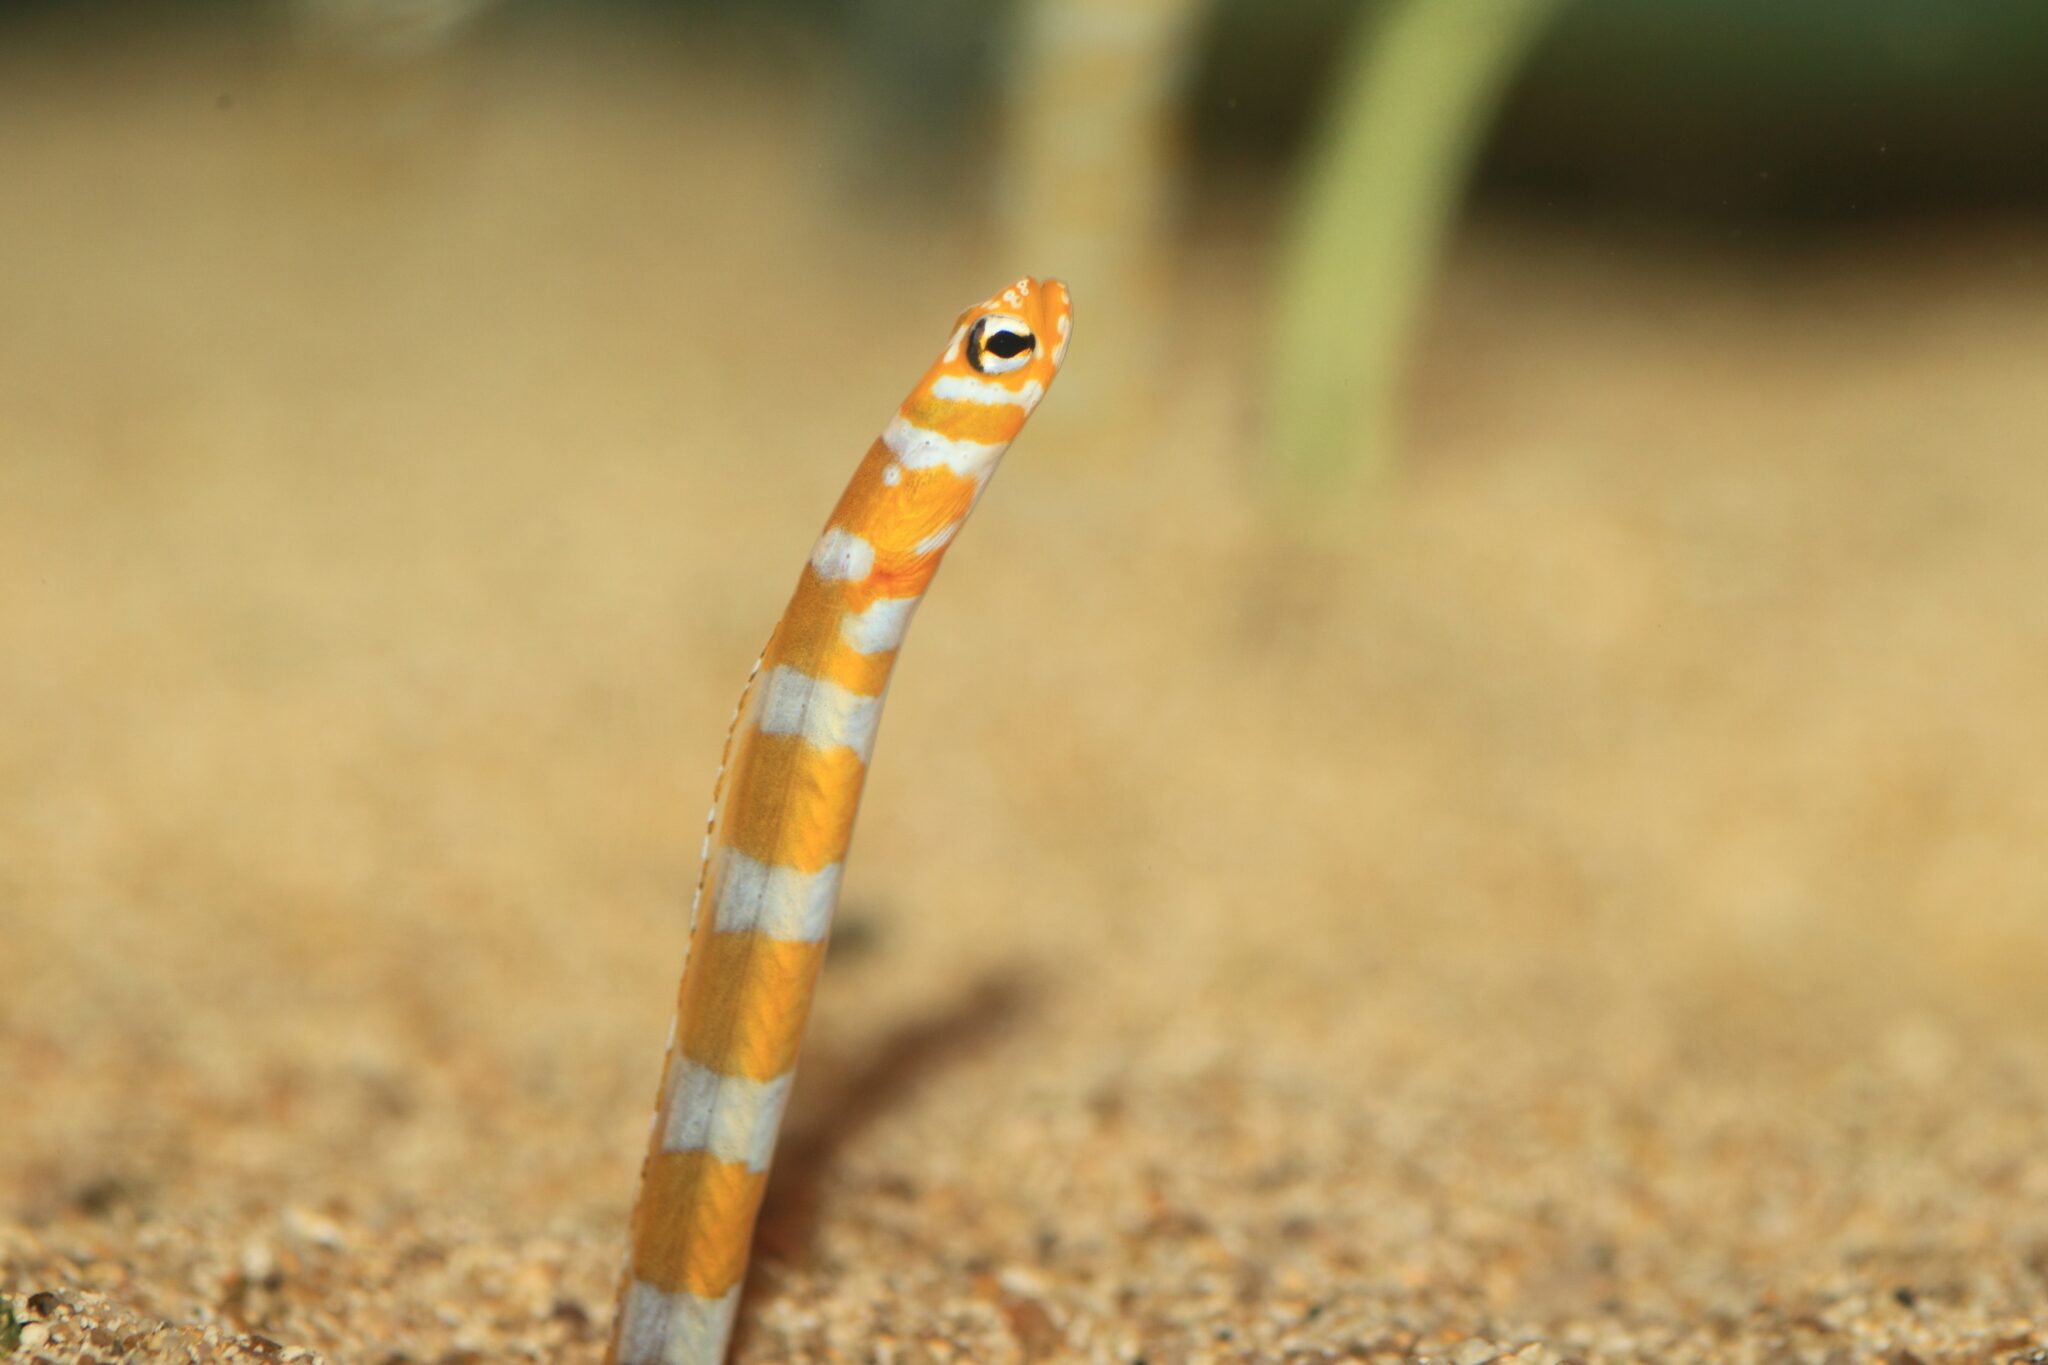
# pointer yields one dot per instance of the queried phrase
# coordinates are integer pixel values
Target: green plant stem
(1418, 89)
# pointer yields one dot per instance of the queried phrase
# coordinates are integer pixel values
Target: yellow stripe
(694, 1221)
(808, 639)
(744, 1002)
(792, 805)
(991, 424)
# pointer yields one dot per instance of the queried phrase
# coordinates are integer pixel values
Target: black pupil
(1007, 344)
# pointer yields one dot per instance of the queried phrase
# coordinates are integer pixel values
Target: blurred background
(1479, 786)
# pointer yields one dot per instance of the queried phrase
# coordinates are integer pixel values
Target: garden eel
(782, 815)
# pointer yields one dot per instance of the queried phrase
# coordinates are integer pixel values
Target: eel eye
(998, 345)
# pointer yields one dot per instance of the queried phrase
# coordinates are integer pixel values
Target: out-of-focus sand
(1600, 914)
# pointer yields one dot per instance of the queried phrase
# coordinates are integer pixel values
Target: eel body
(782, 816)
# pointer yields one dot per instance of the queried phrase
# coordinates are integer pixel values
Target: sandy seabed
(1594, 912)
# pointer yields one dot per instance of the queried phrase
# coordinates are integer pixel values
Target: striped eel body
(782, 816)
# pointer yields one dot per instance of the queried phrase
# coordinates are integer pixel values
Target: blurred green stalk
(1417, 89)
